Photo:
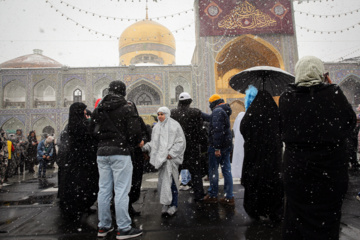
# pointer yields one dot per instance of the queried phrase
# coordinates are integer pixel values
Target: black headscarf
(76, 117)
(32, 138)
(262, 158)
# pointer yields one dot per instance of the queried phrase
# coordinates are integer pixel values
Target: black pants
(193, 163)
(138, 168)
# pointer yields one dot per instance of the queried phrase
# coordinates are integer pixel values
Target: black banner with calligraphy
(236, 17)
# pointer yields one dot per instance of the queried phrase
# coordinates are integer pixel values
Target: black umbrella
(272, 79)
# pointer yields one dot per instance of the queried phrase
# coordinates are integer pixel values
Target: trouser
(30, 163)
(193, 164)
(21, 160)
(224, 162)
(175, 194)
(42, 167)
(115, 175)
(138, 168)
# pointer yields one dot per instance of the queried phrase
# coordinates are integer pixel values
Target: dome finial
(147, 18)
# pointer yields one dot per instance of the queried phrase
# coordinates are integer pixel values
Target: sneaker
(172, 210)
(164, 209)
(184, 187)
(227, 201)
(102, 232)
(133, 232)
(358, 197)
(208, 199)
(181, 187)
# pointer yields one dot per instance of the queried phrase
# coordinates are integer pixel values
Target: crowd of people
(20, 154)
(292, 158)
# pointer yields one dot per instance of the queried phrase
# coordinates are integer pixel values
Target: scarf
(309, 71)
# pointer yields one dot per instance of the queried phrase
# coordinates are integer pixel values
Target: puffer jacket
(220, 136)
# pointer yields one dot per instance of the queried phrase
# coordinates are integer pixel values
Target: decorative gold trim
(246, 16)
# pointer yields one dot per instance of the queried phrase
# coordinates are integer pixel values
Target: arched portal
(144, 94)
(239, 54)
(351, 88)
(236, 106)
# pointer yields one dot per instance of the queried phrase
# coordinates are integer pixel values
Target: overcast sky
(32, 24)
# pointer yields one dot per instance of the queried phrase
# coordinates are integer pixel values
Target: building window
(77, 95)
(49, 131)
(179, 89)
(105, 92)
(143, 99)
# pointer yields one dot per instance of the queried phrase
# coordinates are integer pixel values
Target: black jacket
(115, 112)
(191, 122)
(315, 123)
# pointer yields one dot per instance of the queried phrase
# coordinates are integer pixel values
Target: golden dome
(147, 41)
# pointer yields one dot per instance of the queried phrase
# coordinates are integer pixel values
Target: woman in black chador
(261, 175)
(79, 173)
(316, 120)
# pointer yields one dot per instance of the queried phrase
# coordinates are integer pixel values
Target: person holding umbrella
(261, 174)
(316, 119)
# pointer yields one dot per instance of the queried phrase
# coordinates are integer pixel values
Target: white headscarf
(309, 71)
(167, 138)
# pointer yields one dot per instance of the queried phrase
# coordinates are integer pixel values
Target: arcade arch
(12, 124)
(70, 96)
(14, 95)
(101, 88)
(44, 95)
(351, 88)
(44, 125)
(177, 86)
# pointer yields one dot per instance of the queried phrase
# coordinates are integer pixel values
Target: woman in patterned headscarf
(316, 119)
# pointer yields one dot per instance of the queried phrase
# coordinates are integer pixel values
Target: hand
(169, 157)
(48, 157)
(217, 153)
(146, 156)
(44, 156)
(141, 144)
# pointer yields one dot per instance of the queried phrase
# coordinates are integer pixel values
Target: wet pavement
(29, 210)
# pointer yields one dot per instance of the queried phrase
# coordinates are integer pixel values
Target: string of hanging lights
(105, 34)
(344, 57)
(130, 0)
(328, 15)
(309, 1)
(329, 32)
(120, 18)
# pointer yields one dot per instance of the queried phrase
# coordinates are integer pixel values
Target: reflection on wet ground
(30, 211)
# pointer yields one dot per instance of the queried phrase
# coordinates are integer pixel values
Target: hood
(111, 102)
(226, 107)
